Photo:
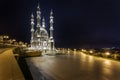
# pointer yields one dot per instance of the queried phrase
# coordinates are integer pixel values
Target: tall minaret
(51, 31)
(51, 24)
(38, 18)
(32, 28)
(43, 22)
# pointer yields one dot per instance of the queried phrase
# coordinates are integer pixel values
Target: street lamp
(83, 50)
(107, 53)
(91, 51)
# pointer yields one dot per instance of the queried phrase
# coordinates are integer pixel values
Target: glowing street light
(107, 53)
(68, 51)
(91, 51)
(83, 50)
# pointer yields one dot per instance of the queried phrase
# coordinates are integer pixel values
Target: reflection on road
(77, 67)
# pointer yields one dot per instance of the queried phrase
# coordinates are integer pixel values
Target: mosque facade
(40, 38)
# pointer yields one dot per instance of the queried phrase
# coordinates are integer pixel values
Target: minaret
(51, 31)
(51, 24)
(38, 18)
(43, 22)
(32, 28)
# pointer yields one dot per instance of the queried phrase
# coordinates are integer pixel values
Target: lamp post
(107, 54)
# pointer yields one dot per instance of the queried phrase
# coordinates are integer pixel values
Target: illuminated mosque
(40, 39)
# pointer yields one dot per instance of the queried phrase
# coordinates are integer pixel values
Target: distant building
(40, 39)
(1, 39)
(4, 39)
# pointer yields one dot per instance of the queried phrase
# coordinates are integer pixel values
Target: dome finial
(38, 7)
(32, 15)
(43, 22)
(51, 13)
(43, 19)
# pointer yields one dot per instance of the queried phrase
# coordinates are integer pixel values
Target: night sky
(77, 23)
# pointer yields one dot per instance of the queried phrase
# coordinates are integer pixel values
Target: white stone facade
(40, 39)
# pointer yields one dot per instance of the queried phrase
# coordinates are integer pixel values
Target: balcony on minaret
(32, 30)
(51, 28)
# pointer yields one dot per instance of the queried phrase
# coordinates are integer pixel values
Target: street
(74, 67)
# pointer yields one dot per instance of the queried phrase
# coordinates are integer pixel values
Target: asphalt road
(74, 67)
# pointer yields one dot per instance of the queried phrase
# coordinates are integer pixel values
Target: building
(40, 39)
(4, 39)
(1, 39)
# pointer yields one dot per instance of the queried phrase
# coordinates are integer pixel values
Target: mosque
(40, 39)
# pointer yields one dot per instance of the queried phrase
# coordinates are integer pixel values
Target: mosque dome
(42, 34)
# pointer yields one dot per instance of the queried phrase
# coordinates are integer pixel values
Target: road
(74, 67)
(9, 68)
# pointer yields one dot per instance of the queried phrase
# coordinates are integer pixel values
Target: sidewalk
(2, 50)
(9, 68)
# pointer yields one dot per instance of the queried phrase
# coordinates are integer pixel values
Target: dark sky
(77, 23)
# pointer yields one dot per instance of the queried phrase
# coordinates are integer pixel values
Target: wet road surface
(74, 67)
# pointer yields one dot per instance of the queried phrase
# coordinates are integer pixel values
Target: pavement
(2, 50)
(9, 68)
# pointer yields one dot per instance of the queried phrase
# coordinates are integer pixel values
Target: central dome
(42, 34)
